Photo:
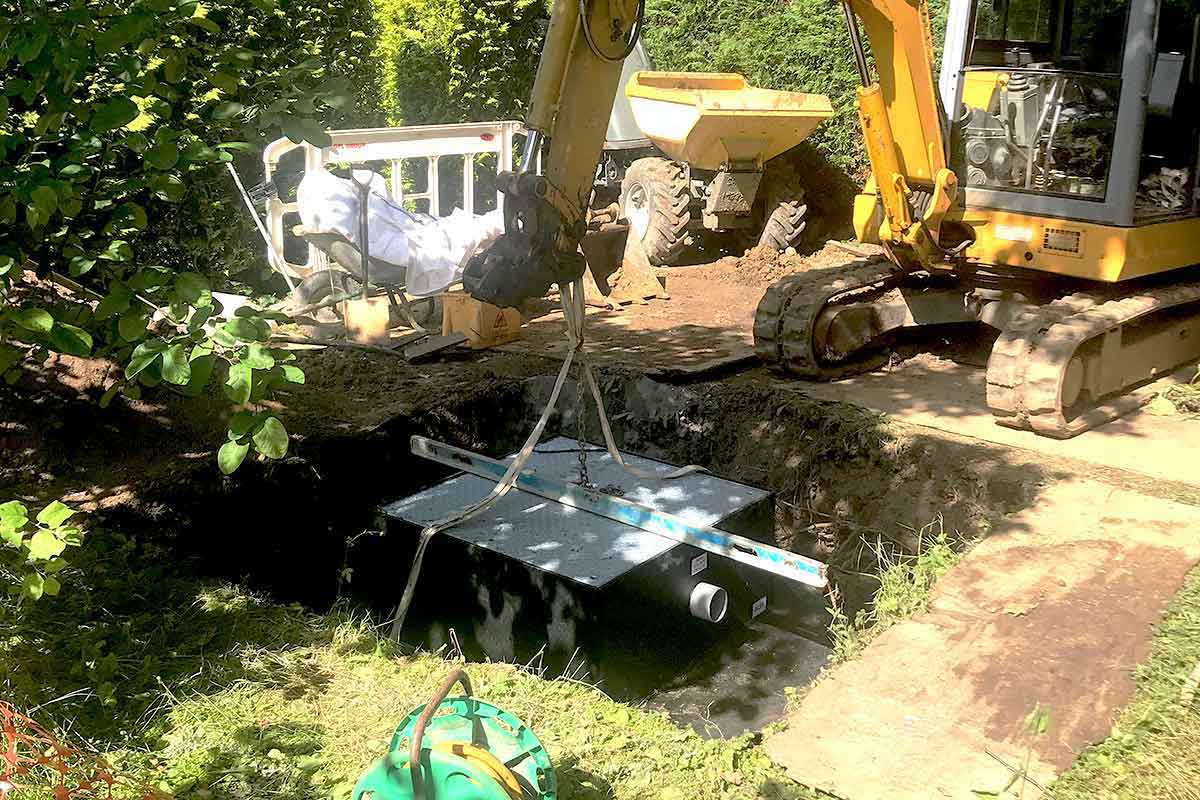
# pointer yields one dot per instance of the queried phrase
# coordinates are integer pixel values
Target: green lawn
(210, 692)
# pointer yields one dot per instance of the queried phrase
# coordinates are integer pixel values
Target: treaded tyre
(785, 211)
(656, 199)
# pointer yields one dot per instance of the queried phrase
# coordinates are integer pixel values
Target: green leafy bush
(116, 121)
(31, 551)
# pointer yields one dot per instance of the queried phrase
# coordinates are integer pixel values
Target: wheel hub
(637, 209)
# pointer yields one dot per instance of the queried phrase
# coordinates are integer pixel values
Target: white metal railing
(394, 145)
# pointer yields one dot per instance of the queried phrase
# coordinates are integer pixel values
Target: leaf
(44, 545)
(292, 374)
(202, 370)
(238, 384)
(31, 48)
(81, 265)
(55, 514)
(46, 199)
(227, 110)
(167, 186)
(258, 356)
(225, 82)
(37, 320)
(241, 424)
(13, 514)
(133, 322)
(230, 456)
(300, 129)
(244, 329)
(109, 393)
(51, 586)
(33, 586)
(115, 302)
(129, 216)
(148, 278)
(192, 288)
(121, 32)
(271, 438)
(205, 23)
(174, 68)
(199, 318)
(9, 356)
(117, 250)
(163, 155)
(11, 536)
(72, 340)
(116, 113)
(176, 368)
(143, 356)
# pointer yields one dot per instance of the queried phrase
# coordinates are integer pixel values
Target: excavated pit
(846, 484)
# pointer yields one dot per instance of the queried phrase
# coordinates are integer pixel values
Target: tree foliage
(116, 120)
(445, 61)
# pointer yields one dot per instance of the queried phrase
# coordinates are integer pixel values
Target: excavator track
(785, 322)
(1038, 370)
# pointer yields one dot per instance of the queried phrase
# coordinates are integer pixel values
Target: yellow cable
(492, 765)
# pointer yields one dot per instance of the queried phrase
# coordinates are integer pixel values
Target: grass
(1153, 752)
(207, 691)
(1181, 398)
(905, 584)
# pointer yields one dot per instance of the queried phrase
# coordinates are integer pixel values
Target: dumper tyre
(656, 200)
(785, 211)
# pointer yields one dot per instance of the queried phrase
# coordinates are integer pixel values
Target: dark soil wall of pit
(847, 481)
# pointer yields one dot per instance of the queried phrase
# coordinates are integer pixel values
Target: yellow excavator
(1057, 203)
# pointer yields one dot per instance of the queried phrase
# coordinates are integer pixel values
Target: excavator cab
(1079, 109)
(1045, 187)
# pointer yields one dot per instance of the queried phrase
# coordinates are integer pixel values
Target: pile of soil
(762, 266)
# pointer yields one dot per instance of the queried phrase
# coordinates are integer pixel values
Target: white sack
(434, 252)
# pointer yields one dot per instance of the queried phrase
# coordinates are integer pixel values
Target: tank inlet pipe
(708, 602)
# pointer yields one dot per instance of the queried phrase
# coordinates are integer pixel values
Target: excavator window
(1171, 135)
(1083, 35)
(1040, 93)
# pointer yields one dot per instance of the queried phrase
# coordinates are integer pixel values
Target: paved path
(1054, 609)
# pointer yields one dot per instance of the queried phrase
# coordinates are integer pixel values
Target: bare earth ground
(1055, 607)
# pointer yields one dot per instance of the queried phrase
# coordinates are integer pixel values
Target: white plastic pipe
(708, 602)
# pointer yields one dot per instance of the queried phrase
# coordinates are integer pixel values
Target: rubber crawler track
(787, 313)
(1029, 361)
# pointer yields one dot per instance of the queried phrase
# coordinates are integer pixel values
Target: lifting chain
(581, 432)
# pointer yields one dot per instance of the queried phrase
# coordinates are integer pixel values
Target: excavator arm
(912, 189)
(545, 214)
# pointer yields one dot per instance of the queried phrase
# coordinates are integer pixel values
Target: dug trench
(849, 488)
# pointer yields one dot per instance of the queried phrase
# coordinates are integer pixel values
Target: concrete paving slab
(939, 393)
(1054, 610)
